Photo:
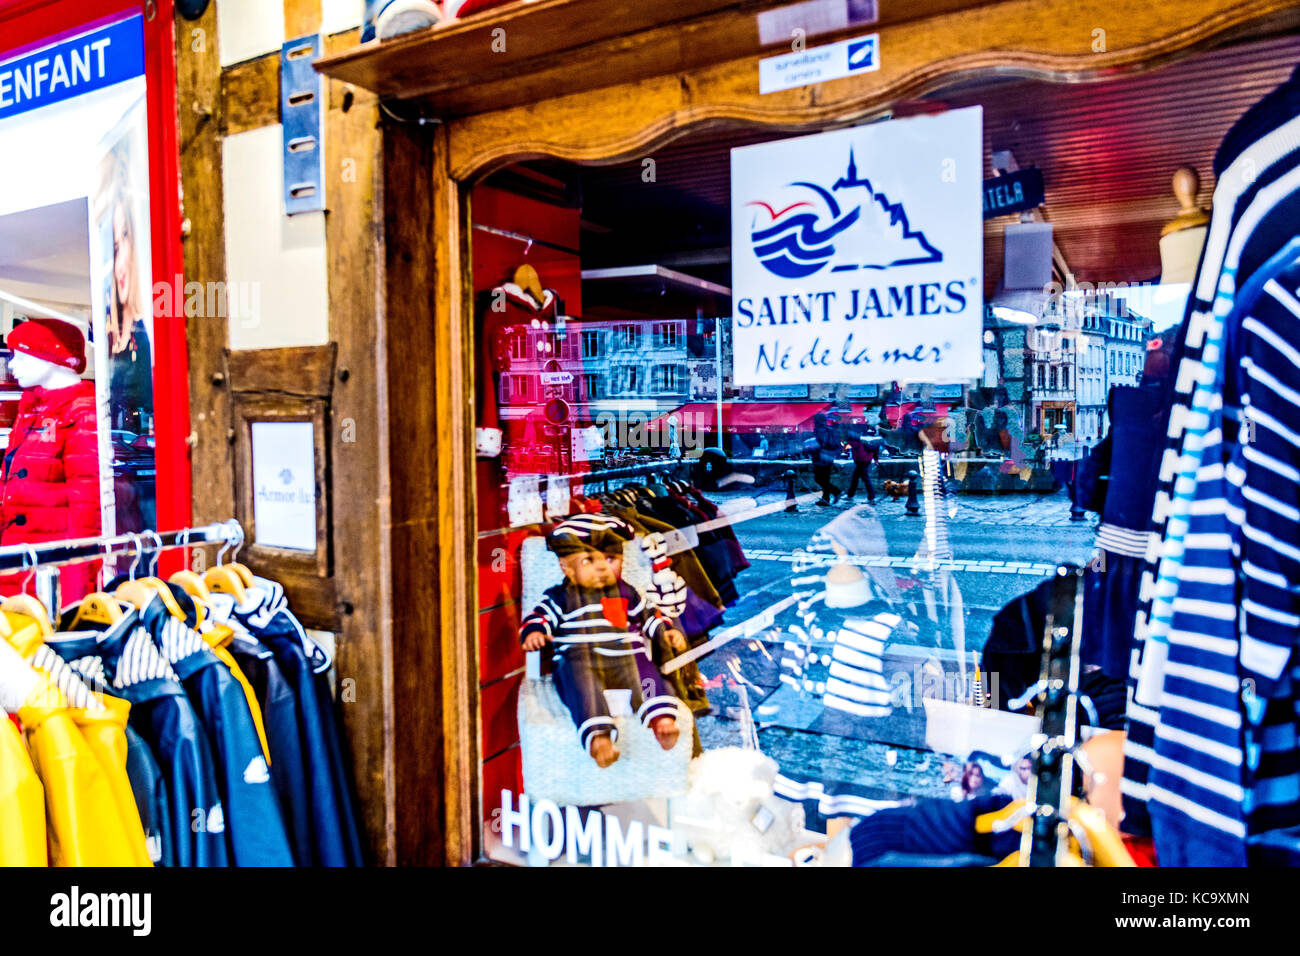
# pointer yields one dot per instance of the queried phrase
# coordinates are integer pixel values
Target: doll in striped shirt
(599, 627)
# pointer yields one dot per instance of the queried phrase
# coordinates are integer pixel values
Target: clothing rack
(46, 558)
(1045, 841)
(614, 474)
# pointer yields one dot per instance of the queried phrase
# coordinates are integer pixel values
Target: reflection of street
(1002, 547)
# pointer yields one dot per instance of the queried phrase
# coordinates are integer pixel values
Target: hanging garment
(1258, 151)
(1118, 479)
(686, 563)
(150, 792)
(123, 656)
(218, 637)
(266, 615)
(255, 828)
(932, 833)
(101, 718)
(1223, 771)
(22, 803)
(83, 824)
(284, 735)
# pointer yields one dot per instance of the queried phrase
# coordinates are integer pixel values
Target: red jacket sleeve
(81, 469)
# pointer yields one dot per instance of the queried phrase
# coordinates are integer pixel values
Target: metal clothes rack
(45, 559)
(606, 475)
(1045, 841)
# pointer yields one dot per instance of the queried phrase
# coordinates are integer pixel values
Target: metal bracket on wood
(302, 115)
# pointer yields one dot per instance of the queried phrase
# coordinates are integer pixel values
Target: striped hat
(589, 532)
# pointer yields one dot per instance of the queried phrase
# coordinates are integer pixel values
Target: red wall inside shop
(501, 660)
(34, 23)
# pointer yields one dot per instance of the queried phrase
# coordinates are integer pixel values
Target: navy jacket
(283, 735)
(124, 657)
(255, 828)
(150, 792)
(335, 836)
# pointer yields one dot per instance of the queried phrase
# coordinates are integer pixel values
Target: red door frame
(36, 23)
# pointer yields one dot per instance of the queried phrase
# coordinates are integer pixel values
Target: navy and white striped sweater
(1224, 763)
(615, 622)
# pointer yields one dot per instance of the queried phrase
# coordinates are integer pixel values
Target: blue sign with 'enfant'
(72, 67)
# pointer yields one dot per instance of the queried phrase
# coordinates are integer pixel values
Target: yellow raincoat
(22, 802)
(79, 753)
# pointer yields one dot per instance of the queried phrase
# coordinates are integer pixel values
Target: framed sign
(284, 484)
(282, 453)
(858, 254)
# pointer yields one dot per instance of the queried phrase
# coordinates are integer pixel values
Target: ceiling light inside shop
(1018, 316)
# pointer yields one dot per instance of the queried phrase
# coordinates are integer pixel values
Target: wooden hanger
(97, 608)
(526, 278)
(244, 573)
(225, 580)
(193, 584)
(28, 606)
(140, 591)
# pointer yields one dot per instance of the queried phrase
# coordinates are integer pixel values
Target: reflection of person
(51, 466)
(865, 445)
(130, 355)
(826, 434)
(1016, 783)
(973, 782)
(598, 626)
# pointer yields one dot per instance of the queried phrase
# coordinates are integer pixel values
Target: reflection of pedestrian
(827, 439)
(129, 351)
(865, 445)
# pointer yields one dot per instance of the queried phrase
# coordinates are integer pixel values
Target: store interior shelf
(553, 47)
(655, 288)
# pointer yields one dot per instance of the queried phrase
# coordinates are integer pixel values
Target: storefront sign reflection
(857, 255)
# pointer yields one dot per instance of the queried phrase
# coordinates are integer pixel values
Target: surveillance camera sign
(858, 254)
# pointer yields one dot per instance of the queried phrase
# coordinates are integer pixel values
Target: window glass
(701, 543)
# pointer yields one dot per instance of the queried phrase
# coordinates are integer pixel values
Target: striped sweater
(1246, 196)
(617, 622)
(1224, 763)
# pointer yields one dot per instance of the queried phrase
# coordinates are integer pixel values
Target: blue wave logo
(797, 240)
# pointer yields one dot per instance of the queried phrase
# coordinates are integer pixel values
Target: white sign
(858, 255)
(284, 485)
(834, 61)
(557, 378)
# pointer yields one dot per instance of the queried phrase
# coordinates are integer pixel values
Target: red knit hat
(53, 340)
(471, 7)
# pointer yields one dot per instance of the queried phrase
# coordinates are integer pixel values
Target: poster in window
(123, 322)
(857, 254)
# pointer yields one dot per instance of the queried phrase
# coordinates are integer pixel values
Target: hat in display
(465, 8)
(589, 532)
(50, 340)
(395, 17)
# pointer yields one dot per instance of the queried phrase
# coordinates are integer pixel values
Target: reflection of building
(1061, 369)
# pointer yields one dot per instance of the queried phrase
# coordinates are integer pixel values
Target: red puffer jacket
(51, 473)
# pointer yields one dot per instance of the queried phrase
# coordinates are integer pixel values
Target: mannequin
(1182, 239)
(51, 465)
(31, 372)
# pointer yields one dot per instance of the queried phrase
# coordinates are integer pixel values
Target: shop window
(667, 335)
(517, 342)
(628, 336)
(851, 639)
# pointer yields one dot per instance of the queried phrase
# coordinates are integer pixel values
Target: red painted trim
(28, 23)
